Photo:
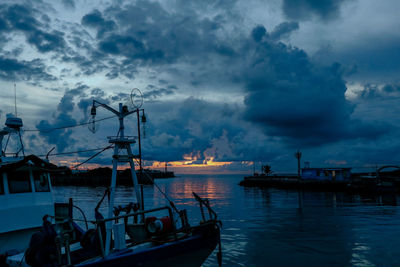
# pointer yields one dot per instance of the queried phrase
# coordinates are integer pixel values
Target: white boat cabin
(25, 197)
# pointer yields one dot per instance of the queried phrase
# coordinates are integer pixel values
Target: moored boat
(25, 193)
(128, 235)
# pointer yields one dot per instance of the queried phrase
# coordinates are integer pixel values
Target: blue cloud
(12, 69)
(95, 19)
(374, 92)
(295, 99)
(62, 138)
(302, 9)
(258, 33)
(130, 48)
(154, 37)
(21, 18)
(46, 42)
(284, 29)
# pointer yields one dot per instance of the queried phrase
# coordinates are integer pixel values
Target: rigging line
(92, 157)
(68, 126)
(72, 152)
(159, 189)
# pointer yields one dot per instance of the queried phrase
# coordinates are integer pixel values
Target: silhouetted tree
(267, 170)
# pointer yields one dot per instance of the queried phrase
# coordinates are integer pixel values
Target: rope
(83, 214)
(95, 155)
(68, 126)
(162, 192)
(71, 152)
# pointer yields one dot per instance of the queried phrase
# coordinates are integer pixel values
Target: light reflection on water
(269, 227)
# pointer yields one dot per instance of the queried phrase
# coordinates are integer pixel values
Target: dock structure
(327, 179)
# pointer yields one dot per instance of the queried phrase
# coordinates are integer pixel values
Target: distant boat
(326, 174)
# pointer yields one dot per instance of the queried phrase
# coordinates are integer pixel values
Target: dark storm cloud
(281, 31)
(46, 42)
(22, 19)
(97, 92)
(3, 25)
(287, 94)
(62, 138)
(11, 69)
(95, 19)
(284, 29)
(155, 36)
(195, 128)
(86, 102)
(129, 47)
(82, 54)
(120, 97)
(295, 99)
(258, 33)
(87, 65)
(303, 9)
(152, 92)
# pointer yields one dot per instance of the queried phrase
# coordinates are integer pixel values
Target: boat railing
(63, 239)
(125, 139)
(135, 215)
(174, 234)
(204, 202)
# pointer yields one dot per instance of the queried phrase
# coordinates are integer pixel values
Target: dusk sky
(224, 82)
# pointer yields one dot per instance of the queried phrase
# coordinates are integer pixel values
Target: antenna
(15, 98)
(136, 98)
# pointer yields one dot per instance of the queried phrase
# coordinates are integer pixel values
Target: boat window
(19, 182)
(41, 181)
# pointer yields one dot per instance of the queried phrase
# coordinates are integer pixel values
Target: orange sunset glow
(193, 165)
(188, 165)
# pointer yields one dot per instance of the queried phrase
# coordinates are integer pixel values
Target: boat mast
(140, 157)
(121, 142)
(15, 99)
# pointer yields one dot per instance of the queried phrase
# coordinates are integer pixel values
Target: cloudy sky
(224, 82)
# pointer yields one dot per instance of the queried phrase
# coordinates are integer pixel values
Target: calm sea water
(270, 227)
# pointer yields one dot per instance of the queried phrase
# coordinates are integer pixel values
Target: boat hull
(190, 251)
(16, 240)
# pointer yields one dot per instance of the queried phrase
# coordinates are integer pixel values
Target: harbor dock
(328, 179)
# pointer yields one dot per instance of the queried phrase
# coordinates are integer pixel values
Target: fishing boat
(25, 192)
(127, 235)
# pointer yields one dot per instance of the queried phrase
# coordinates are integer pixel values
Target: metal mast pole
(140, 157)
(140, 145)
(120, 143)
(15, 98)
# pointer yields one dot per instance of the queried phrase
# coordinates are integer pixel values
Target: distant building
(330, 174)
